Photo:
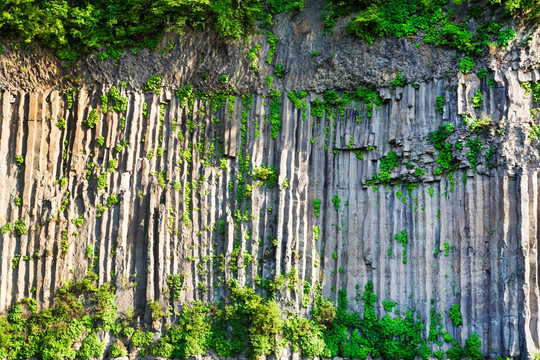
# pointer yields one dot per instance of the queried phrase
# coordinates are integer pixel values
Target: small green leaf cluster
(279, 70)
(480, 124)
(316, 232)
(20, 227)
(118, 349)
(317, 108)
(532, 87)
(93, 118)
(388, 305)
(90, 348)
(224, 79)
(331, 99)
(336, 201)
(438, 139)
(317, 206)
(275, 118)
(477, 99)
(398, 81)
(278, 6)
(305, 336)
(482, 73)
(175, 284)
(386, 165)
(466, 64)
(267, 175)
(296, 98)
(475, 146)
(102, 181)
(19, 160)
(112, 200)
(272, 40)
(489, 157)
(119, 102)
(15, 261)
(61, 124)
(153, 83)
(78, 221)
(439, 104)
(455, 315)
(402, 237)
(252, 57)
(6, 228)
(505, 36)
(69, 97)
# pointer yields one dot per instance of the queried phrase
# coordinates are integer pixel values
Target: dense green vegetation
(436, 20)
(75, 27)
(243, 323)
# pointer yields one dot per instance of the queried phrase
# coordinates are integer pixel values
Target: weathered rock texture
(488, 219)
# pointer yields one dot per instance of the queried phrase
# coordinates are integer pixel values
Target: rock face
(182, 172)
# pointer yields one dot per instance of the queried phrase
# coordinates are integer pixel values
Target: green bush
(224, 79)
(120, 102)
(6, 228)
(482, 73)
(157, 311)
(19, 160)
(279, 71)
(93, 118)
(61, 124)
(439, 104)
(153, 83)
(244, 322)
(141, 339)
(438, 138)
(386, 165)
(117, 349)
(480, 124)
(369, 24)
(78, 221)
(190, 337)
(317, 206)
(455, 315)
(505, 36)
(72, 28)
(477, 99)
(305, 335)
(90, 348)
(20, 227)
(267, 175)
(102, 181)
(466, 64)
(277, 6)
(336, 201)
(112, 200)
(398, 81)
(264, 329)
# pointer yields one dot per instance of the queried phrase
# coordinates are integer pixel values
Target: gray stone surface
(491, 221)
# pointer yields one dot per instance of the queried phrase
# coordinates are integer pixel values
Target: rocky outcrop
(179, 174)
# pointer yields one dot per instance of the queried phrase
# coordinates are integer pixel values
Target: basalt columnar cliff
(395, 177)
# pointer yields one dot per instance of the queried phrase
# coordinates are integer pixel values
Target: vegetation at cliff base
(245, 322)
